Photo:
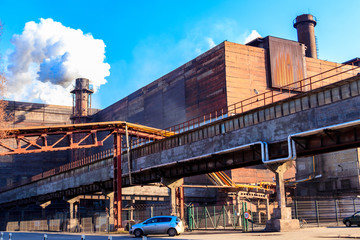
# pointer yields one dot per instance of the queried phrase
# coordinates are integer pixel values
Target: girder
(74, 136)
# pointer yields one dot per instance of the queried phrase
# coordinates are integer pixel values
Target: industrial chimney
(81, 100)
(305, 25)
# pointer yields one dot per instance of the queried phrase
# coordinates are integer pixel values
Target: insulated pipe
(319, 130)
(264, 155)
(291, 142)
(264, 147)
(291, 156)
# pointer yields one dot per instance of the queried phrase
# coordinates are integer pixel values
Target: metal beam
(73, 136)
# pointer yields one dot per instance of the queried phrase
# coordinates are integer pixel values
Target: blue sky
(147, 39)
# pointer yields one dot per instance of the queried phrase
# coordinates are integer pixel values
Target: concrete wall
(338, 174)
(96, 172)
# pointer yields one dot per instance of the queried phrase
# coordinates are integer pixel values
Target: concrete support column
(43, 209)
(173, 184)
(238, 206)
(74, 222)
(281, 219)
(132, 203)
(71, 210)
(111, 211)
(267, 209)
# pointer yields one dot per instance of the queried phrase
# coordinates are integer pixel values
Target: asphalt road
(340, 232)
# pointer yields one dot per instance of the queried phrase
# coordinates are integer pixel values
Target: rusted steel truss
(74, 136)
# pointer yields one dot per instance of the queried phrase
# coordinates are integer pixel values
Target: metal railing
(307, 84)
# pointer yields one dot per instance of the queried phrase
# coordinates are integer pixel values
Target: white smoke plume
(48, 57)
(253, 35)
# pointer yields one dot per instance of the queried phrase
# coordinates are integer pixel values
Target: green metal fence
(223, 217)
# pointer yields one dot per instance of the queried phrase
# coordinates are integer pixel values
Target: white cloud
(210, 42)
(48, 57)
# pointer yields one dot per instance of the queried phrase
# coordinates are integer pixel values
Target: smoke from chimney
(48, 57)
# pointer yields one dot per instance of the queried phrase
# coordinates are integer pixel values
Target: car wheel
(172, 232)
(348, 223)
(138, 233)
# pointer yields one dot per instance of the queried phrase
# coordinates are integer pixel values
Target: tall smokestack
(305, 25)
(82, 102)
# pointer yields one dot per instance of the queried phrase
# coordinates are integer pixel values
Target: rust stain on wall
(286, 63)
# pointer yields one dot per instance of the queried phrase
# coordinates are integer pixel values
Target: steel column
(117, 181)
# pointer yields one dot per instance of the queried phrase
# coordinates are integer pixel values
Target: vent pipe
(305, 25)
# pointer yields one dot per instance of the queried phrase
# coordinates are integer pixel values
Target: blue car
(171, 225)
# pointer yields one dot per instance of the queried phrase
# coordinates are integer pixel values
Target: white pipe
(318, 130)
(264, 155)
(264, 147)
(291, 156)
(291, 143)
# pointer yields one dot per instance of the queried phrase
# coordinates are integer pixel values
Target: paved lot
(302, 234)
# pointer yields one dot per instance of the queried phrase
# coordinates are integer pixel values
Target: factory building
(215, 83)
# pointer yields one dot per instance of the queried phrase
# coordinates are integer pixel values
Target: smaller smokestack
(82, 101)
(305, 25)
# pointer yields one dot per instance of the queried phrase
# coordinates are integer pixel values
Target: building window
(345, 184)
